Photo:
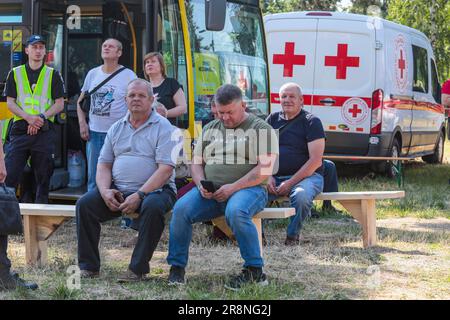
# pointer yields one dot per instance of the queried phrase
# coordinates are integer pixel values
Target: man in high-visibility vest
(35, 94)
(8, 280)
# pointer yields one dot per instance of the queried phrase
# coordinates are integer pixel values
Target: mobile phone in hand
(119, 197)
(208, 185)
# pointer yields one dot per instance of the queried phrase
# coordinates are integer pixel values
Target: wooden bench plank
(58, 210)
(275, 213)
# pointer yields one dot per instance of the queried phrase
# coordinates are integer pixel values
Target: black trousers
(4, 261)
(40, 148)
(91, 211)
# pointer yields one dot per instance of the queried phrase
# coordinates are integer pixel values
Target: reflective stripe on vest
(39, 100)
(5, 126)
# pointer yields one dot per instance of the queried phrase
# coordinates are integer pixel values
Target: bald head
(291, 99)
(139, 97)
(142, 82)
(291, 85)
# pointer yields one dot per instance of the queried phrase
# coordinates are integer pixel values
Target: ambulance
(372, 82)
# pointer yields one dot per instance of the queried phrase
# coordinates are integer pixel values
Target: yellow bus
(205, 43)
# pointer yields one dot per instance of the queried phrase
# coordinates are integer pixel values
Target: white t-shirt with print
(108, 102)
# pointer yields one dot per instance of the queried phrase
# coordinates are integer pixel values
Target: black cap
(35, 38)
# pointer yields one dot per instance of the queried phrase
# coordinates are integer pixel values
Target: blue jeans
(238, 209)
(93, 147)
(301, 197)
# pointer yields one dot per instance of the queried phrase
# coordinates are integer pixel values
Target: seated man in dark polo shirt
(302, 143)
(135, 174)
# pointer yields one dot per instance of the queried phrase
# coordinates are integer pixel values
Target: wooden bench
(361, 205)
(42, 220)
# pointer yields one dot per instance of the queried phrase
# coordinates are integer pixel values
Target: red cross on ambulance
(355, 110)
(289, 59)
(401, 64)
(341, 61)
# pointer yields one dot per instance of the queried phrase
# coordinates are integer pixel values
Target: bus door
(13, 34)
(12, 54)
(52, 26)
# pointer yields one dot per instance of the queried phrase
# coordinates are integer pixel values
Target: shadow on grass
(399, 235)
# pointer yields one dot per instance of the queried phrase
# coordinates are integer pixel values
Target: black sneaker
(292, 241)
(247, 276)
(176, 276)
(314, 214)
(331, 210)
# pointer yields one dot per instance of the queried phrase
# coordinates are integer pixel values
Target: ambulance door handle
(401, 97)
(327, 101)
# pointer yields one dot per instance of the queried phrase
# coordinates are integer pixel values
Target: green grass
(427, 189)
(412, 255)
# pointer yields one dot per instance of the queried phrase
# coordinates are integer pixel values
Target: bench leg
(37, 229)
(370, 223)
(364, 212)
(35, 250)
(221, 223)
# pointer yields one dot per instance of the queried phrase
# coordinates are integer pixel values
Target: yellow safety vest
(34, 101)
(6, 124)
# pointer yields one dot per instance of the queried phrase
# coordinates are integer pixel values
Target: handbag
(85, 104)
(10, 217)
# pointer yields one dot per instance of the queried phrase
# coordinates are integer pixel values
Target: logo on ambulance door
(400, 64)
(355, 111)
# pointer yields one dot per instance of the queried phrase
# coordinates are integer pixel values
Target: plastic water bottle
(75, 169)
(125, 223)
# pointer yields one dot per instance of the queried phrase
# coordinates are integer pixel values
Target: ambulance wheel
(393, 153)
(438, 153)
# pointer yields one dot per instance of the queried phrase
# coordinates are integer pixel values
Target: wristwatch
(42, 116)
(141, 194)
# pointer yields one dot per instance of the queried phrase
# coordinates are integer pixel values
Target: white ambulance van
(372, 82)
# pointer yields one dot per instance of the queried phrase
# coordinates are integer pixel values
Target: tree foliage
(432, 17)
(361, 6)
(276, 6)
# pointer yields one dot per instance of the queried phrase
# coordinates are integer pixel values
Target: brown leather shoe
(292, 241)
(88, 274)
(130, 276)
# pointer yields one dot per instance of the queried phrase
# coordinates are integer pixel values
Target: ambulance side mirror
(215, 12)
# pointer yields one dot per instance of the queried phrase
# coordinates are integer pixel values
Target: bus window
(11, 55)
(84, 50)
(171, 45)
(237, 52)
(52, 31)
(11, 13)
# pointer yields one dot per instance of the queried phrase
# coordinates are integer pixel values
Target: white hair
(119, 44)
(291, 85)
(144, 82)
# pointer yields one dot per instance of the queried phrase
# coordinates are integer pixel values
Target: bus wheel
(438, 153)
